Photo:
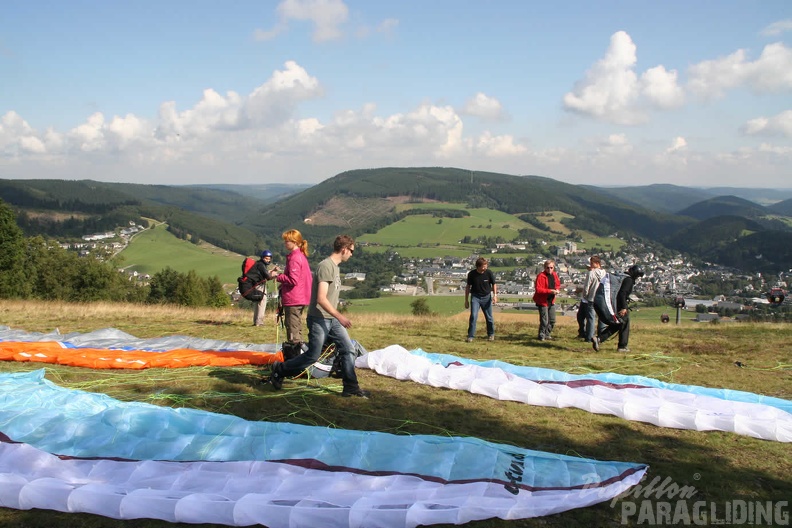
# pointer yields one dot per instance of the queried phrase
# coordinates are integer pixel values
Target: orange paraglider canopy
(100, 358)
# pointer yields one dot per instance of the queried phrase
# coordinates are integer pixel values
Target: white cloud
(483, 106)
(777, 28)
(612, 92)
(678, 144)
(497, 146)
(778, 125)
(327, 17)
(770, 73)
(388, 26)
(660, 87)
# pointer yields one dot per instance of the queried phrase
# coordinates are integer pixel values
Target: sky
(296, 91)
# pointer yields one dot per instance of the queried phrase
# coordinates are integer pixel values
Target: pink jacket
(296, 280)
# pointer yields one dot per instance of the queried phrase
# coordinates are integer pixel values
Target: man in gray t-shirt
(326, 323)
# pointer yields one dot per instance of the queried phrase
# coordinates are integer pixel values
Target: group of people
(319, 293)
(597, 318)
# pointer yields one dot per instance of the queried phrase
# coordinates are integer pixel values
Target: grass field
(720, 466)
(155, 249)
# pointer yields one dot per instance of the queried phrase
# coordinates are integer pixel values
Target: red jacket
(543, 290)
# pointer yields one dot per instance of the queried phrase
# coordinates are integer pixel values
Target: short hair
(480, 262)
(595, 259)
(341, 242)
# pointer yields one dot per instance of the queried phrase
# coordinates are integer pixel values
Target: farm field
(155, 249)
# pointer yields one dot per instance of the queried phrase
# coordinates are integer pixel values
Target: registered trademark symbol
(696, 476)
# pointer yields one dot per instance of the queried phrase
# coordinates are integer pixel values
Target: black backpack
(249, 280)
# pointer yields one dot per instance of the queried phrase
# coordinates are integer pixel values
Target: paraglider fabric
(631, 397)
(113, 349)
(74, 451)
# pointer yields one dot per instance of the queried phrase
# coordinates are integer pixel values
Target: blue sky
(296, 91)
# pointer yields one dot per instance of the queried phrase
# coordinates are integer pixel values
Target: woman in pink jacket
(295, 290)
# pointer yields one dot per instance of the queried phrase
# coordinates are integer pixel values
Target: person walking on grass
(326, 324)
(264, 270)
(621, 321)
(482, 290)
(547, 286)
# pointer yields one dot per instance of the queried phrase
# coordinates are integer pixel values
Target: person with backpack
(547, 286)
(326, 324)
(295, 290)
(261, 272)
(593, 279)
(617, 320)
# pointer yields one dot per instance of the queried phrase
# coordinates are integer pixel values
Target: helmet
(266, 253)
(635, 271)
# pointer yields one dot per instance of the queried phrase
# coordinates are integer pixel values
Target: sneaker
(491, 338)
(550, 338)
(595, 343)
(276, 378)
(469, 340)
(622, 349)
(360, 393)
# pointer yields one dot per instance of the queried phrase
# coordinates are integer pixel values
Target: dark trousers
(547, 320)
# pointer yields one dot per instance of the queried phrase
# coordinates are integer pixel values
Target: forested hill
(65, 209)
(362, 199)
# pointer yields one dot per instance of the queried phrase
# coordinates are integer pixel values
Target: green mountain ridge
(365, 200)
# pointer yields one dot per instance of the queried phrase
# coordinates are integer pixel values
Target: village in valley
(666, 277)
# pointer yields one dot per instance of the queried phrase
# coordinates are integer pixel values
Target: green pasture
(426, 230)
(155, 249)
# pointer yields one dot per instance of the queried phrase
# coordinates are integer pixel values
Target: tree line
(37, 268)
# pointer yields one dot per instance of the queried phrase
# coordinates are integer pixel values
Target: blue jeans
(321, 331)
(485, 304)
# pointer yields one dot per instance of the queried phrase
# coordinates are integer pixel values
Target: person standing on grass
(483, 290)
(593, 279)
(547, 286)
(263, 270)
(326, 324)
(295, 290)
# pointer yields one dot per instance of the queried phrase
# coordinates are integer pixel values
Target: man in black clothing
(483, 291)
(622, 299)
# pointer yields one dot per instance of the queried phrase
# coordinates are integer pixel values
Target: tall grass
(721, 466)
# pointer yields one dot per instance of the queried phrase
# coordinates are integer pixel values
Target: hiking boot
(276, 378)
(491, 338)
(359, 393)
(622, 349)
(595, 343)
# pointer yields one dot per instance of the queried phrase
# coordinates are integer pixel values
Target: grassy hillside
(155, 249)
(720, 466)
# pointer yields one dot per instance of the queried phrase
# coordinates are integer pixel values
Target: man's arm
(324, 303)
(467, 296)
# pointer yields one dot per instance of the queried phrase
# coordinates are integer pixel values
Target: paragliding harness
(249, 280)
(605, 306)
(289, 349)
